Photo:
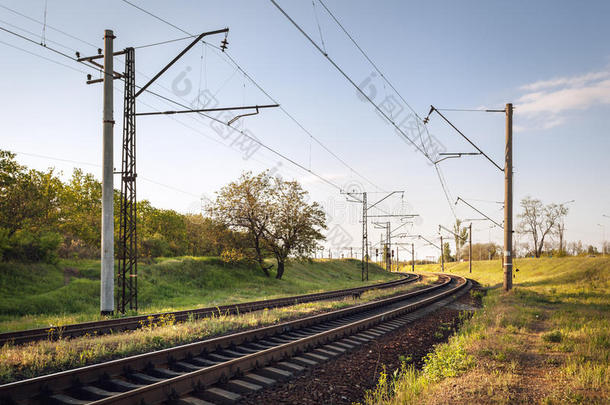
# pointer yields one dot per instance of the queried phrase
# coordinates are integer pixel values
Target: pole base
(107, 313)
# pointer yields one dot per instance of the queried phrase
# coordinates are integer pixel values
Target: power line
(37, 43)
(32, 33)
(389, 119)
(43, 57)
(177, 103)
(349, 79)
(368, 59)
(260, 88)
(163, 42)
(48, 26)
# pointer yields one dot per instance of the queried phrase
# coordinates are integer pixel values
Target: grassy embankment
(33, 359)
(547, 341)
(41, 295)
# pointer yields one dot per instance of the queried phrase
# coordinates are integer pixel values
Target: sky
(551, 59)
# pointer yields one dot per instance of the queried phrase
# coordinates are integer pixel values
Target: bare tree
(539, 221)
(562, 211)
(460, 235)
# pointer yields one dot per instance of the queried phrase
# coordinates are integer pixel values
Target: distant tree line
(43, 218)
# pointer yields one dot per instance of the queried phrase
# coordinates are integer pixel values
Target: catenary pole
(508, 201)
(107, 266)
(442, 255)
(413, 257)
(470, 248)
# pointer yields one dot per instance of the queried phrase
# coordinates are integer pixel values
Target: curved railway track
(134, 322)
(219, 369)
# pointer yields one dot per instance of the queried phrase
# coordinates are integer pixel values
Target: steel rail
(135, 322)
(30, 391)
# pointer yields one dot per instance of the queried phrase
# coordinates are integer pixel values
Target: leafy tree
(295, 225)
(447, 252)
(245, 206)
(81, 204)
(274, 214)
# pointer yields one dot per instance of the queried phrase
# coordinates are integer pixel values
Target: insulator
(77, 54)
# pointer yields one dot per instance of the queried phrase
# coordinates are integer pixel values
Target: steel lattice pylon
(365, 258)
(127, 296)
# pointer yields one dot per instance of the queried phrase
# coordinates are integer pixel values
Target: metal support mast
(128, 247)
(365, 236)
(388, 263)
(412, 257)
(470, 248)
(442, 255)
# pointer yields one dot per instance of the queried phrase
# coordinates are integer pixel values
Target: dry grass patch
(546, 342)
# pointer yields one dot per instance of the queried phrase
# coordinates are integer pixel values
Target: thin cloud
(547, 103)
(567, 81)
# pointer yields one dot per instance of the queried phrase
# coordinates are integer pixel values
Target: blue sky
(550, 58)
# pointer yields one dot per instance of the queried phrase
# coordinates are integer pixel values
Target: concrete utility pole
(508, 201)
(413, 257)
(470, 248)
(397, 258)
(442, 255)
(107, 268)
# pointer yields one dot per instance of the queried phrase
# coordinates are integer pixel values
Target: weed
(554, 336)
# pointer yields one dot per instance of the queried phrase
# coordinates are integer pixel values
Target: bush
(232, 256)
(5, 243)
(554, 336)
(25, 246)
(155, 246)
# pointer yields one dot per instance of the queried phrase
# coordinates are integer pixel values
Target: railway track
(219, 370)
(134, 322)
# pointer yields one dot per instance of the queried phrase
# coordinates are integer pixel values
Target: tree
(447, 252)
(294, 226)
(562, 212)
(539, 221)
(245, 205)
(481, 251)
(274, 214)
(460, 236)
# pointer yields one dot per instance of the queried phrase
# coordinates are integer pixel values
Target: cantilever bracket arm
(455, 155)
(436, 246)
(434, 109)
(202, 110)
(242, 115)
(470, 205)
(185, 50)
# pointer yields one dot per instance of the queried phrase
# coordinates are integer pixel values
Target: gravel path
(345, 379)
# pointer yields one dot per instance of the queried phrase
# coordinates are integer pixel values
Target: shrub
(554, 336)
(232, 256)
(155, 246)
(27, 246)
(5, 243)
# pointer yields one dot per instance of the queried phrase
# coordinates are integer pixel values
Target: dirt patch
(345, 379)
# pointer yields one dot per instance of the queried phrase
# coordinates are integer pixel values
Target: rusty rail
(37, 390)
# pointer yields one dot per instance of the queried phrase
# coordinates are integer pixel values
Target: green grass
(43, 295)
(43, 357)
(547, 341)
